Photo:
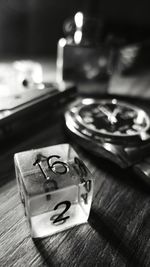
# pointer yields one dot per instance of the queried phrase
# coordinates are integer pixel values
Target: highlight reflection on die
(55, 187)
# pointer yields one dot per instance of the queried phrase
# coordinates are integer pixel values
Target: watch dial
(112, 117)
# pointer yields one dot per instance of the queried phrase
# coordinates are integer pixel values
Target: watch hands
(110, 115)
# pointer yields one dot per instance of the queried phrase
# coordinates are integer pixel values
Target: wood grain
(117, 233)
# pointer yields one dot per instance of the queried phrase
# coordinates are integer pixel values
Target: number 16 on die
(55, 187)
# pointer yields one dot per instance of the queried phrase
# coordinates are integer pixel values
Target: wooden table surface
(118, 230)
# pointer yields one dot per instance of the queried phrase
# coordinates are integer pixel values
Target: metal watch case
(110, 128)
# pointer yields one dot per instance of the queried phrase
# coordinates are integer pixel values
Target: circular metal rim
(138, 137)
(100, 148)
(122, 104)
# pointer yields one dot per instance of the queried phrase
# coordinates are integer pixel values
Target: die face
(59, 195)
(50, 162)
(59, 212)
(65, 209)
(46, 202)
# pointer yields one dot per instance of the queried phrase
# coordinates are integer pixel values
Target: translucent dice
(55, 187)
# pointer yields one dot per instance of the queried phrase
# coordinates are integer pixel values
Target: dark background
(33, 27)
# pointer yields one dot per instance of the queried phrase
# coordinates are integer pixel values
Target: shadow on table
(107, 227)
(40, 245)
(53, 250)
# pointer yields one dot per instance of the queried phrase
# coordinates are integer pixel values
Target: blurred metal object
(29, 70)
(13, 75)
(82, 56)
(133, 58)
(20, 82)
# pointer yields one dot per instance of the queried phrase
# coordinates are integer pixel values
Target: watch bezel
(73, 112)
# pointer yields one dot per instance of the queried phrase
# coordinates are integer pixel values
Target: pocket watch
(113, 129)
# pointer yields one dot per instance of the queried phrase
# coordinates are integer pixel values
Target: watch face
(109, 119)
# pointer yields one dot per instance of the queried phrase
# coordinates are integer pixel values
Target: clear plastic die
(55, 187)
